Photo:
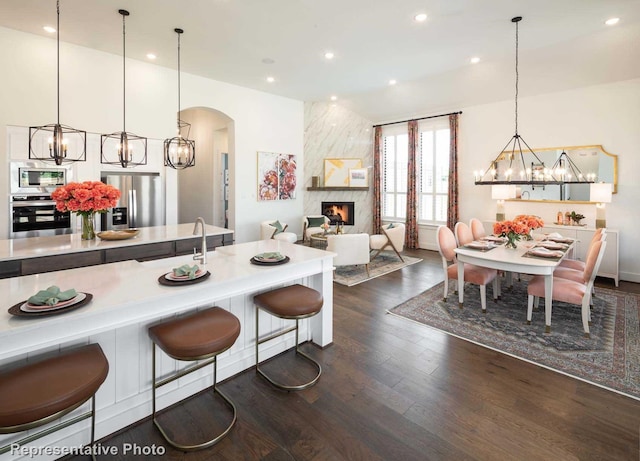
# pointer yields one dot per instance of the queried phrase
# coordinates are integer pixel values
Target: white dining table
(512, 260)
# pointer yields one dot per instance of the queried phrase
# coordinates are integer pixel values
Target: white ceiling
(563, 44)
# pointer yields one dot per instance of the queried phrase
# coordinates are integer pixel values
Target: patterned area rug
(611, 358)
(382, 264)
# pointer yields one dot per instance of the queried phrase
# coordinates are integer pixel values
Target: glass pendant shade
(57, 143)
(179, 151)
(123, 148)
(518, 164)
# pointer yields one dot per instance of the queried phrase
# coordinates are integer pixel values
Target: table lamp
(601, 194)
(502, 192)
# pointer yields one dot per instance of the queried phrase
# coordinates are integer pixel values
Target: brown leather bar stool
(38, 393)
(198, 336)
(294, 302)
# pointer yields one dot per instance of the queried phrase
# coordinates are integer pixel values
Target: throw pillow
(315, 222)
(278, 227)
(390, 226)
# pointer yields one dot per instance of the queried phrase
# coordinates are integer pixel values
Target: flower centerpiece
(86, 199)
(325, 227)
(520, 227)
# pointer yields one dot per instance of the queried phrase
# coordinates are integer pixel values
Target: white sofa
(268, 231)
(350, 249)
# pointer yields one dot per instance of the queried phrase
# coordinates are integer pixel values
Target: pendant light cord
(517, 74)
(58, 55)
(124, 77)
(178, 121)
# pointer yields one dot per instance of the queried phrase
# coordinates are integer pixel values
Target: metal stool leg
(298, 351)
(161, 383)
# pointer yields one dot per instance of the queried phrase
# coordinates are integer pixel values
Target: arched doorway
(205, 190)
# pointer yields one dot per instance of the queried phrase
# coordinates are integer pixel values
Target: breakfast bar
(127, 297)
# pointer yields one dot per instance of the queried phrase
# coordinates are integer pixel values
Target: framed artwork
(336, 171)
(276, 176)
(358, 177)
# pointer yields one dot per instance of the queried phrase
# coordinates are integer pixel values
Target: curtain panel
(452, 209)
(377, 180)
(411, 225)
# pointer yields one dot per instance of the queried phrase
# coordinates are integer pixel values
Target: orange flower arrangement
(85, 198)
(521, 226)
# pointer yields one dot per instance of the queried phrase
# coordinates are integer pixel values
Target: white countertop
(71, 243)
(128, 292)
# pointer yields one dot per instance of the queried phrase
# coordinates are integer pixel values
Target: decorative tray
(118, 234)
(22, 308)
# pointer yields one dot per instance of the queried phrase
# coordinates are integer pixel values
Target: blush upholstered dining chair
(392, 238)
(311, 225)
(274, 229)
(570, 291)
(477, 275)
(463, 233)
(350, 249)
(477, 229)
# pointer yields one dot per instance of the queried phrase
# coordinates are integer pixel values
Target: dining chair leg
(446, 288)
(586, 314)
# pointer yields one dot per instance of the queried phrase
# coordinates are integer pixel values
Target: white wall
(603, 114)
(91, 100)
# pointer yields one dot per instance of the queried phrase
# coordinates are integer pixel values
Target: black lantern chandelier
(518, 164)
(122, 148)
(179, 151)
(63, 143)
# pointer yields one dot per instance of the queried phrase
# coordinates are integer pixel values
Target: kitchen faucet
(202, 256)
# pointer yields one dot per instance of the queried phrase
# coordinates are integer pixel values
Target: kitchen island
(127, 298)
(43, 254)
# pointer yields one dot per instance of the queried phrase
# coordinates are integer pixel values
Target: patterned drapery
(411, 224)
(377, 180)
(452, 213)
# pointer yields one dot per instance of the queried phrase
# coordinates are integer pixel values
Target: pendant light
(517, 163)
(180, 152)
(123, 148)
(63, 143)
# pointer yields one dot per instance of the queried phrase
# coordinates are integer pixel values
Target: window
(433, 171)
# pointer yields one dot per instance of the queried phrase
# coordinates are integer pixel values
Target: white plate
(544, 253)
(183, 278)
(552, 245)
(26, 307)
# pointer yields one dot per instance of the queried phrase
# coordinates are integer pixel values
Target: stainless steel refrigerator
(141, 201)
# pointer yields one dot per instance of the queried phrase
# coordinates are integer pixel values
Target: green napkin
(186, 269)
(271, 255)
(51, 296)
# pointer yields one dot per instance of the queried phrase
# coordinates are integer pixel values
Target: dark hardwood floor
(395, 390)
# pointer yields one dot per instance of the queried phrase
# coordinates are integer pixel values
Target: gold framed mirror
(593, 159)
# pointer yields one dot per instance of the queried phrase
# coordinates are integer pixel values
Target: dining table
(514, 260)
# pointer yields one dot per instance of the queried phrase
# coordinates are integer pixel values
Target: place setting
(544, 253)
(272, 258)
(184, 275)
(481, 245)
(51, 301)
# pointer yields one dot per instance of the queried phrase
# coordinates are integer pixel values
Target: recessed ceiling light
(334, 98)
(329, 55)
(475, 60)
(49, 29)
(271, 79)
(612, 21)
(393, 81)
(151, 56)
(421, 17)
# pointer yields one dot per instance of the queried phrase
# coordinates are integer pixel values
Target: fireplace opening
(339, 212)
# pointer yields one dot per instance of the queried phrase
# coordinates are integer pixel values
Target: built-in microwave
(30, 178)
